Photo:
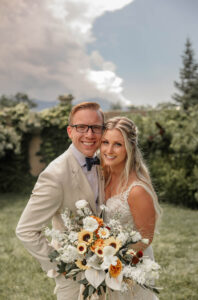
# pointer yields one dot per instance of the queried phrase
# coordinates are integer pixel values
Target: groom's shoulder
(61, 163)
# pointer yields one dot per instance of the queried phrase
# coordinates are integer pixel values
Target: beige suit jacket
(59, 186)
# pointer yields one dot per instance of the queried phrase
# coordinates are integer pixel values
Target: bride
(129, 191)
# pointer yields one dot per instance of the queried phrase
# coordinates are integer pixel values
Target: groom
(67, 179)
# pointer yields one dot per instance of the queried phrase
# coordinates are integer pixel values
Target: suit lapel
(81, 184)
(101, 188)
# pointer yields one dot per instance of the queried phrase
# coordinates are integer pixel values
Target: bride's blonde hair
(134, 160)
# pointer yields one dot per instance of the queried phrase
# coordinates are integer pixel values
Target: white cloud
(43, 49)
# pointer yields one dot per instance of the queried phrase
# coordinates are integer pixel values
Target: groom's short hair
(85, 105)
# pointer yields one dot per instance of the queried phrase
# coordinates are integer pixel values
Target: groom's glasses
(82, 128)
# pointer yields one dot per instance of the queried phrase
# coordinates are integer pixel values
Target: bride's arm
(143, 212)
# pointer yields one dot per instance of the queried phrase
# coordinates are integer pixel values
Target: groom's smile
(86, 142)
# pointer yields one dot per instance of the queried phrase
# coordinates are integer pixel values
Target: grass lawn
(176, 250)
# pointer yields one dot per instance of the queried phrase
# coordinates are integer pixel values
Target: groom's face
(88, 142)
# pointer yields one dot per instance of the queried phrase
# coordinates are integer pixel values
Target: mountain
(41, 104)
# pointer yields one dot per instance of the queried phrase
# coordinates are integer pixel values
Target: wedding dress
(119, 204)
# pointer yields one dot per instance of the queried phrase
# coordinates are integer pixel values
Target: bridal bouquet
(101, 252)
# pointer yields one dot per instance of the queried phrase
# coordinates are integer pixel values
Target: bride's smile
(113, 151)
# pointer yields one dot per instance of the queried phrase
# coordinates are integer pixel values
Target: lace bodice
(118, 204)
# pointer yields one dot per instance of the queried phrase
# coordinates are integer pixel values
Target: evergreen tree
(188, 85)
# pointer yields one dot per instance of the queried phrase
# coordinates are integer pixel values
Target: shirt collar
(80, 157)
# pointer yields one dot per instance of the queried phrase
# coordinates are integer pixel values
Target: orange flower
(98, 243)
(115, 270)
(99, 220)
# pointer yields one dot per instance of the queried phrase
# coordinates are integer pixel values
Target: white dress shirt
(91, 175)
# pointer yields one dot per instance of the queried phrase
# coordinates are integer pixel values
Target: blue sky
(145, 40)
(126, 51)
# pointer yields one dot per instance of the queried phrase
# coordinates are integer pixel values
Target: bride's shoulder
(139, 196)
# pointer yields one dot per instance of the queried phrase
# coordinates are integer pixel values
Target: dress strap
(138, 183)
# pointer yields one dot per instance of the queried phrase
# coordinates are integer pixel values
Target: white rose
(80, 204)
(90, 224)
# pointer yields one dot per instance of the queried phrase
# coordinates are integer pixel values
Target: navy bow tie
(90, 161)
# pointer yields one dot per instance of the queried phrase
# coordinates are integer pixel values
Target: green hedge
(18, 126)
(168, 139)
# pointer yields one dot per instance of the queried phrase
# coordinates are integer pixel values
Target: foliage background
(168, 139)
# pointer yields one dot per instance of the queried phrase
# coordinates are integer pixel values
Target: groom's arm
(44, 203)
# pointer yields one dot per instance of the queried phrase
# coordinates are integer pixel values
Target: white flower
(108, 251)
(69, 254)
(80, 212)
(143, 273)
(66, 220)
(123, 237)
(114, 283)
(115, 226)
(81, 204)
(104, 207)
(131, 252)
(145, 241)
(108, 257)
(136, 236)
(87, 211)
(55, 234)
(90, 224)
(73, 236)
(137, 274)
(94, 262)
(103, 233)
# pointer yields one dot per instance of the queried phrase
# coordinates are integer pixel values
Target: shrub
(168, 139)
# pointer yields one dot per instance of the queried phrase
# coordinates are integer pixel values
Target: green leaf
(83, 281)
(53, 255)
(61, 267)
(91, 290)
(86, 292)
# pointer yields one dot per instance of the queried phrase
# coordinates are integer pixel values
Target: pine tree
(188, 85)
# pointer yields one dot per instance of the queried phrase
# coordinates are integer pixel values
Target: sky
(126, 51)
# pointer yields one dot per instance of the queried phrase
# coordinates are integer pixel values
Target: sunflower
(82, 248)
(115, 243)
(115, 270)
(99, 251)
(82, 264)
(98, 243)
(85, 237)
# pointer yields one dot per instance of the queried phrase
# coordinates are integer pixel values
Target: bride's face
(113, 151)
